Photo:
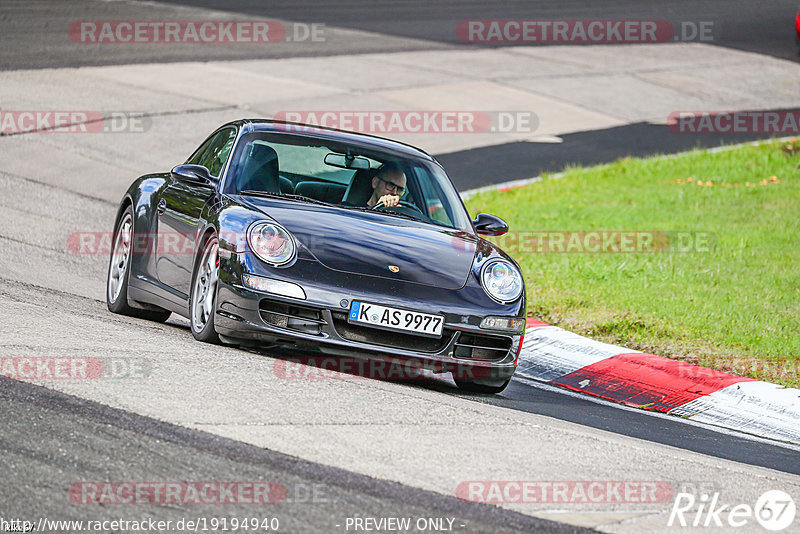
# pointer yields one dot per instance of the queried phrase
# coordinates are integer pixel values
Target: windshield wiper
(301, 198)
(267, 194)
(406, 216)
(387, 212)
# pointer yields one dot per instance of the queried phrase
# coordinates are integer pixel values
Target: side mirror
(196, 174)
(490, 225)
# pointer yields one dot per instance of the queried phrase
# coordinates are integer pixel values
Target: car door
(179, 214)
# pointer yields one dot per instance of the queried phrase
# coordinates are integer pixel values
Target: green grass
(735, 307)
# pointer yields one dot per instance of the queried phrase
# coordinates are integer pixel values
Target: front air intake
(481, 347)
(292, 317)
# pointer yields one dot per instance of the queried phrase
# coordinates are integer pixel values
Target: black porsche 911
(277, 233)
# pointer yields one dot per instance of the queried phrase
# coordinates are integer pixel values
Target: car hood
(375, 244)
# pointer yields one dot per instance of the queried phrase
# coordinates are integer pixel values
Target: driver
(388, 185)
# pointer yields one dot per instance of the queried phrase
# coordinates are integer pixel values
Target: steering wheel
(400, 204)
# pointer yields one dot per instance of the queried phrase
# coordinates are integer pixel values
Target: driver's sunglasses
(398, 189)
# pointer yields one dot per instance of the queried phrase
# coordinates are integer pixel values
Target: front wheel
(203, 302)
(119, 272)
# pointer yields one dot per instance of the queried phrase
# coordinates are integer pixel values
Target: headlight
(501, 281)
(271, 243)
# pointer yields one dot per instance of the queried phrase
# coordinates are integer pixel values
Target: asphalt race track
(28, 39)
(343, 447)
(316, 498)
(522, 160)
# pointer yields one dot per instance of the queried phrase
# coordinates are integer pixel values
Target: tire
(203, 300)
(472, 386)
(119, 272)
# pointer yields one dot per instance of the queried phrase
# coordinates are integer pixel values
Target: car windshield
(350, 176)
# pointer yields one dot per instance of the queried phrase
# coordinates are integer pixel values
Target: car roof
(324, 133)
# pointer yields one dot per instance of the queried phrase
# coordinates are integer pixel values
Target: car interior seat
(360, 188)
(260, 170)
(286, 185)
(324, 191)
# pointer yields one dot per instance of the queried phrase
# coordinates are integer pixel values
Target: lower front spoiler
(239, 321)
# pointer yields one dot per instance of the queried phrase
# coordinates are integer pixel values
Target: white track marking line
(598, 400)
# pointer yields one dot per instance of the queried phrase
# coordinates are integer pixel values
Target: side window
(216, 155)
(198, 155)
(434, 207)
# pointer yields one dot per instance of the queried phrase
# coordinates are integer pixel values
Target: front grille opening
(481, 347)
(386, 338)
(292, 317)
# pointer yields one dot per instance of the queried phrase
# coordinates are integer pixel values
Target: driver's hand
(389, 200)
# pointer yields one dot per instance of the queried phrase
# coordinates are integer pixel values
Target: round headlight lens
(501, 281)
(271, 243)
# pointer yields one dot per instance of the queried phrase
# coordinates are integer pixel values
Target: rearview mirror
(490, 225)
(194, 174)
(346, 161)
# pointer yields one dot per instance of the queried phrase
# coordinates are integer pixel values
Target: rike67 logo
(775, 511)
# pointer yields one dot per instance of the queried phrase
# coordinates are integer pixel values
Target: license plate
(395, 319)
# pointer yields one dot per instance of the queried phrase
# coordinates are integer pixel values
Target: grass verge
(700, 260)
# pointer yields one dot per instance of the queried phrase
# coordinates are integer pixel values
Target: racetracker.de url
(197, 524)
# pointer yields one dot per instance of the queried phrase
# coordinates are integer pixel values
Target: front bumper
(320, 322)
